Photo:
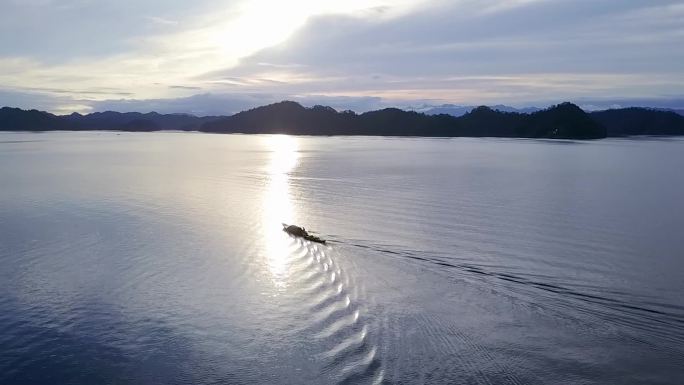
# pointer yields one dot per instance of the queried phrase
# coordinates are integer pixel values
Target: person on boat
(301, 232)
(296, 230)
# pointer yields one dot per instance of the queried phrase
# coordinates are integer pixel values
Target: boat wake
(337, 320)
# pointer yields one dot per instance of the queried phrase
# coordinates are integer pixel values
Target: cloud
(227, 104)
(184, 87)
(200, 104)
(161, 20)
(485, 52)
(58, 104)
(675, 102)
(233, 54)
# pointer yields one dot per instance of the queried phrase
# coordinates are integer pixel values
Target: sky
(211, 57)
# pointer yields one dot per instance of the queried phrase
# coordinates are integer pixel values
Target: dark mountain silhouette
(640, 121)
(33, 120)
(29, 120)
(563, 121)
(675, 110)
(283, 117)
(135, 121)
(494, 123)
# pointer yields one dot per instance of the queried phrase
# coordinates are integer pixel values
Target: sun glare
(277, 206)
(264, 23)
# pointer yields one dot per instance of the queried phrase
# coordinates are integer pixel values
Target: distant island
(562, 121)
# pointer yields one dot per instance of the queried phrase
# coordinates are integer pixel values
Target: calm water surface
(159, 259)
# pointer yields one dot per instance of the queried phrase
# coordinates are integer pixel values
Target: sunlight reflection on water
(277, 206)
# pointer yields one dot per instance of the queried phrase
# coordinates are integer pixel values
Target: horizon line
(423, 110)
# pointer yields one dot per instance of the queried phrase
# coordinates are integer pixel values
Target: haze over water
(130, 258)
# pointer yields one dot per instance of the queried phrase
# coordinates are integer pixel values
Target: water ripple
(334, 315)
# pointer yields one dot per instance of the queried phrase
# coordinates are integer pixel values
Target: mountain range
(562, 121)
(456, 110)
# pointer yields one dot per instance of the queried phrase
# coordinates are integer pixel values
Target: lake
(159, 258)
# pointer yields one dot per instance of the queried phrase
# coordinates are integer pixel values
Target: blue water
(158, 258)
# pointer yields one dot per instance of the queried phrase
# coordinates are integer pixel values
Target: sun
(265, 23)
